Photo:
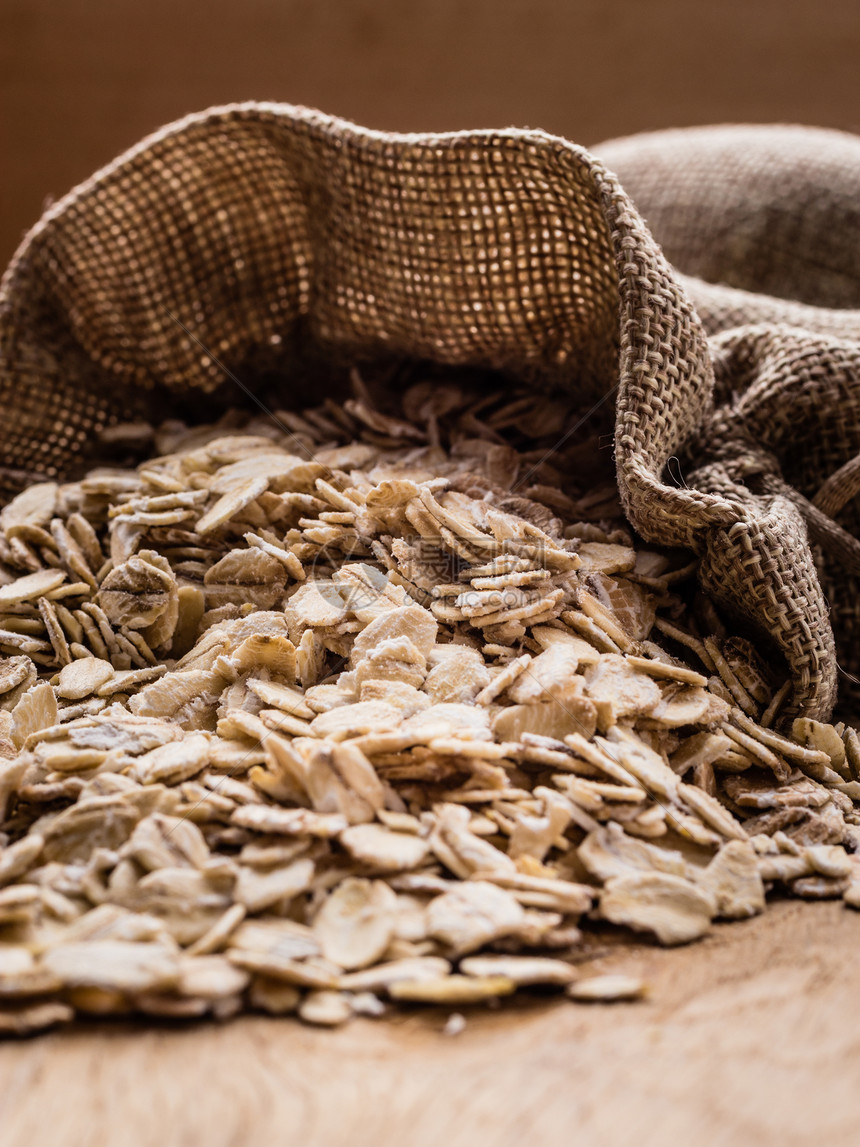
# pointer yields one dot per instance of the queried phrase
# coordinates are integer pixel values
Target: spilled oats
(313, 715)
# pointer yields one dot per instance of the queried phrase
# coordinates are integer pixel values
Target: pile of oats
(317, 712)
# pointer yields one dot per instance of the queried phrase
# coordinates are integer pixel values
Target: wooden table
(749, 1037)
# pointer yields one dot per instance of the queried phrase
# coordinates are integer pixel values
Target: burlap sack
(245, 239)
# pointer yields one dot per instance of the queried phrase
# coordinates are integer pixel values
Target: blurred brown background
(81, 80)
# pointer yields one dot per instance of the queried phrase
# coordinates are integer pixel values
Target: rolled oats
(734, 879)
(452, 989)
(288, 732)
(256, 890)
(673, 908)
(356, 923)
(608, 988)
(123, 966)
(382, 849)
(30, 1017)
(273, 996)
(473, 915)
(523, 970)
(325, 1008)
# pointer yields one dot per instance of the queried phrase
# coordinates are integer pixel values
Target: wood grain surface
(749, 1037)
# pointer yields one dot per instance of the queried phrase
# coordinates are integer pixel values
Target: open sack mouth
(397, 586)
(250, 237)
